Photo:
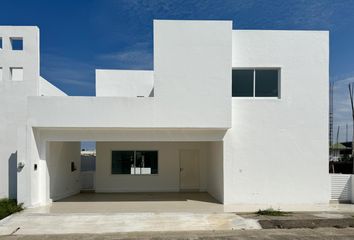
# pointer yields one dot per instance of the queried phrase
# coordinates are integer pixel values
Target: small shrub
(8, 207)
(272, 212)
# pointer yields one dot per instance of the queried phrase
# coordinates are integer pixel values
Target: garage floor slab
(195, 202)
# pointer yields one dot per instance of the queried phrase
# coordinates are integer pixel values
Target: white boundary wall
(342, 187)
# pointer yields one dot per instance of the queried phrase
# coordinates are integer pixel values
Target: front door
(189, 170)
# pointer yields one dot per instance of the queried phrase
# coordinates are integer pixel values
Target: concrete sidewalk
(29, 223)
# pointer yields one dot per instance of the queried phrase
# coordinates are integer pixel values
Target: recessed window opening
(1, 74)
(16, 73)
(133, 162)
(16, 43)
(256, 83)
(0, 43)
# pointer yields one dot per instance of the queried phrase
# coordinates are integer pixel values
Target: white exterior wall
(167, 179)
(277, 149)
(192, 72)
(13, 99)
(62, 181)
(124, 83)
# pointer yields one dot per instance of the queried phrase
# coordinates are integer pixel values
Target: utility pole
(346, 132)
(352, 105)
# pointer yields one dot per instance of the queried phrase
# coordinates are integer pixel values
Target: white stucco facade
(247, 150)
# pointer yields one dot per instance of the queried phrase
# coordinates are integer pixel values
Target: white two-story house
(240, 114)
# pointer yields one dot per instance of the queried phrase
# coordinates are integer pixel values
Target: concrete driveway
(110, 213)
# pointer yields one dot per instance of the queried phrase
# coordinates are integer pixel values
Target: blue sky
(79, 36)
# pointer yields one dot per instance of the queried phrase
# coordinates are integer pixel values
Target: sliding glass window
(135, 162)
(255, 83)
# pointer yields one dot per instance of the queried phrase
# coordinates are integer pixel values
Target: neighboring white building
(241, 114)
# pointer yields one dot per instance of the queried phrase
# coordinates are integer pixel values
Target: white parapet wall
(124, 83)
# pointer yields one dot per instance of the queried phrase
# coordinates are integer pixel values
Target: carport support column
(43, 174)
(30, 152)
(229, 166)
(24, 181)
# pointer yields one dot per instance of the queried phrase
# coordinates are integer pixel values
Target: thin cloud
(138, 56)
(73, 77)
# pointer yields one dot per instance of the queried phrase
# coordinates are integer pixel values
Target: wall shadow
(141, 197)
(13, 176)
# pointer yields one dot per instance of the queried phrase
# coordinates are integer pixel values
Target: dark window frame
(135, 163)
(254, 69)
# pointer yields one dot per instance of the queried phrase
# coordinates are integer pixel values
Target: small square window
(122, 162)
(242, 83)
(1, 74)
(16, 74)
(266, 83)
(146, 162)
(16, 43)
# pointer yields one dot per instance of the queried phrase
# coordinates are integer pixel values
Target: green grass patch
(8, 207)
(272, 212)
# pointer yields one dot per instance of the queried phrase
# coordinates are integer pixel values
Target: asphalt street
(284, 234)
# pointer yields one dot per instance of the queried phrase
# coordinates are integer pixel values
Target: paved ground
(197, 202)
(151, 212)
(33, 223)
(273, 234)
(128, 212)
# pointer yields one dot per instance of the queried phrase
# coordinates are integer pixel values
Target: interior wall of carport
(63, 181)
(168, 178)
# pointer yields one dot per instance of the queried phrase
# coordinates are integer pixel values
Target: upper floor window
(0, 43)
(16, 43)
(255, 82)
